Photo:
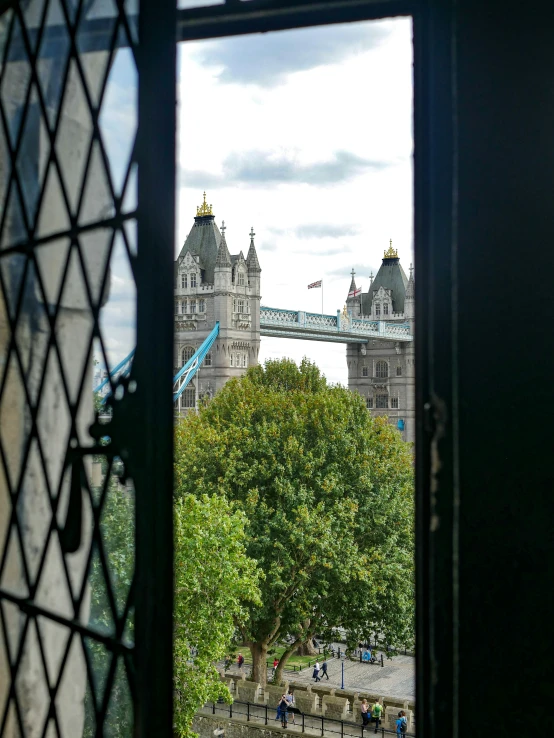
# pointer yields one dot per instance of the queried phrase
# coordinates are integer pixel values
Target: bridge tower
(383, 372)
(212, 285)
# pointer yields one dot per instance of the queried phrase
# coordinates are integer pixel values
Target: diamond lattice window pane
(67, 321)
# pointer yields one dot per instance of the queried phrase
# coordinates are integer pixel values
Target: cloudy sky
(305, 135)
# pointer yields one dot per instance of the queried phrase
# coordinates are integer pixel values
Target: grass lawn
(294, 660)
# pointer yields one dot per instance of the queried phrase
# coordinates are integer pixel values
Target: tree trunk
(307, 649)
(282, 662)
(259, 665)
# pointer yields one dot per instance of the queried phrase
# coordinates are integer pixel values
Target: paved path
(395, 679)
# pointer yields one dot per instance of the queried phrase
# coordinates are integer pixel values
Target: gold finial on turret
(204, 209)
(391, 253)
(344, 312)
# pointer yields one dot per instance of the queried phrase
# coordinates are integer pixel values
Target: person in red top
(275, 665)
(240, 660)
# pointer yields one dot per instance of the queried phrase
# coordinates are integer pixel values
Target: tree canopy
(327, 495)
(214, 580)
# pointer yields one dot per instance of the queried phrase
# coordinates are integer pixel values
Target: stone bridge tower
(383, 372)
(212, 285)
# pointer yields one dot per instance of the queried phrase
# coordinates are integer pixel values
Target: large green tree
(327, 493)
(214, 581)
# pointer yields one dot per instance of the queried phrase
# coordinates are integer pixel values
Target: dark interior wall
(505, 237)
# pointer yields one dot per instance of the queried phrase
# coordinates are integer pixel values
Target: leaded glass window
(382, 401)
(394, 402)
(381, 369)
(193, 279)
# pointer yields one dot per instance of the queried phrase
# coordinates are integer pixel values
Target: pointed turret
(409, 305)
(223, 256)
(203, 241)
(353, 299)
(352, 289)
(410, 286)
(391, 282)
(252, 258)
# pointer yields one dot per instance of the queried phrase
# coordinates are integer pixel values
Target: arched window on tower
(385, 308)
(377, 309)
(240, 279)
(208, 359)
(183, 280)
(193, 279)
(202, 306)
(187, 354)
(382, 369)
(382, 401)
(188, 398)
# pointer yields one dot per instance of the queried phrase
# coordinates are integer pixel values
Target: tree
(214, 581)
(327, 492)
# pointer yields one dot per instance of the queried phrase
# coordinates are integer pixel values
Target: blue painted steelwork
(184, 375)
(122, 369)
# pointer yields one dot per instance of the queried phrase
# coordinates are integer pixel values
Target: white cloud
(267, 132)
(305, 135)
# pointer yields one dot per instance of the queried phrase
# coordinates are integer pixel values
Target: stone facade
(383, 372)
(212, 285)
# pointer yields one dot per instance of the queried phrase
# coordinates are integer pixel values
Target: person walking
(324, 670)
(275, 665)
(401, 724)
(240, 660)
(376, 712)
(364, 709)
(315, 675)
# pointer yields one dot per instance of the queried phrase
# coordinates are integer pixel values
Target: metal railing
(299, 721)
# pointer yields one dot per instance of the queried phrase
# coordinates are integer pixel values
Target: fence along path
(309, 724)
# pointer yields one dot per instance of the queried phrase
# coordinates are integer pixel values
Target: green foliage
(214, 580)
(117, 526)
(327, 492)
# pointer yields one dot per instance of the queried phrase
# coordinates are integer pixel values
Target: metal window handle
(71, 533)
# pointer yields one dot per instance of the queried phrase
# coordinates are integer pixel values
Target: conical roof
(392, 277)
(203, 240)
(410, 292)
(353, 287)
(252, 258)
(223, 256)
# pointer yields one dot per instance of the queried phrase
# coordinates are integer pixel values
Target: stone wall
(339, 704)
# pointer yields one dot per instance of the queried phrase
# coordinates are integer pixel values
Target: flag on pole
(315, 284)
(355, 293)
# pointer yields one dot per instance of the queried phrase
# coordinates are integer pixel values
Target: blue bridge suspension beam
(188, 371)
(121, 370)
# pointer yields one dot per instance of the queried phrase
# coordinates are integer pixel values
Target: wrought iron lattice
(68, 194)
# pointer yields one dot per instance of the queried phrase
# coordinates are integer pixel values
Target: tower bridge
(219, 323)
